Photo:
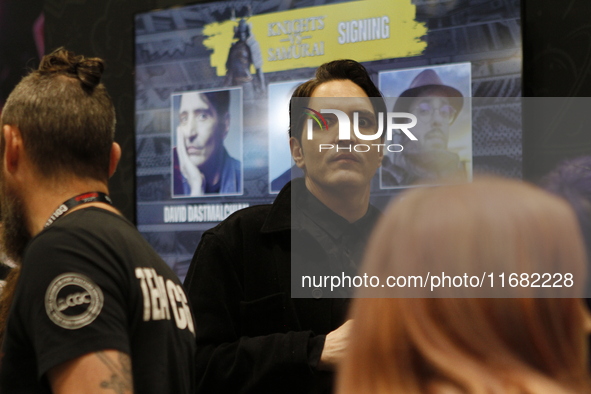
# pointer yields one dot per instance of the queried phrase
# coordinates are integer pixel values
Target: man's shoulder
(86, 224)
(258, 219)
(90, 239)
(247, 219)
(93, 219)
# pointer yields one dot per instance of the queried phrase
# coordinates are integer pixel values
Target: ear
(13, 148)
(114, 159)
(297, 152)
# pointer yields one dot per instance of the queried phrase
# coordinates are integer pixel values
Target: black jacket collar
(280, 218)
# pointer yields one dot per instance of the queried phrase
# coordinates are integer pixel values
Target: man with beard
(253, 337)
(436, 107)
(94, 309)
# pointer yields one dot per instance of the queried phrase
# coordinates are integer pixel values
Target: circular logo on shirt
(73, 301)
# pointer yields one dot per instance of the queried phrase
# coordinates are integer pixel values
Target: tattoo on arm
(121, 378)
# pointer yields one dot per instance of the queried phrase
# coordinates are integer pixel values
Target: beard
(15, 235)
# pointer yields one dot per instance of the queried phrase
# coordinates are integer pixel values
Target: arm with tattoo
(103, 372)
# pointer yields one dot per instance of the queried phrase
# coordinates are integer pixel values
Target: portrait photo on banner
(207, 143)
(281, 164)
(440, 98)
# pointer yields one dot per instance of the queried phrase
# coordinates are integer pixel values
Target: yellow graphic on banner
(361, 30)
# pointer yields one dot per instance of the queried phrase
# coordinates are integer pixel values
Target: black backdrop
(557, 62)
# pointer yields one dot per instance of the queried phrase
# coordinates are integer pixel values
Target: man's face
(202, 129)
(333, 170)
(434, 116)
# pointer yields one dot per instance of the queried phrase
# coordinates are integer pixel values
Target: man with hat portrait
(436, 106)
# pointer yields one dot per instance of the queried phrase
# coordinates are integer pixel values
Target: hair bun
(88, 70)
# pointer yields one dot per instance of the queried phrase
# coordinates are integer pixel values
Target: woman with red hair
(533, 342)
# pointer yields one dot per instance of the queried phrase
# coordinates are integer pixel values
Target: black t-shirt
(90, 282)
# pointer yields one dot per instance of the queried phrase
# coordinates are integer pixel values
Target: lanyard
(80, 199)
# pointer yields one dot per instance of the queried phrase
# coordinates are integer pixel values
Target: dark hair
(65, 116)
(344, 69)
(220, 100)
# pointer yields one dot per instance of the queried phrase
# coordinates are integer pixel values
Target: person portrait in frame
(202, 138)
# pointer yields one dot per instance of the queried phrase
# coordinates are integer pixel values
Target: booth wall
(556, 63)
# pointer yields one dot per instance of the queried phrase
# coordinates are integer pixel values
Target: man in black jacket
(252, 336)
